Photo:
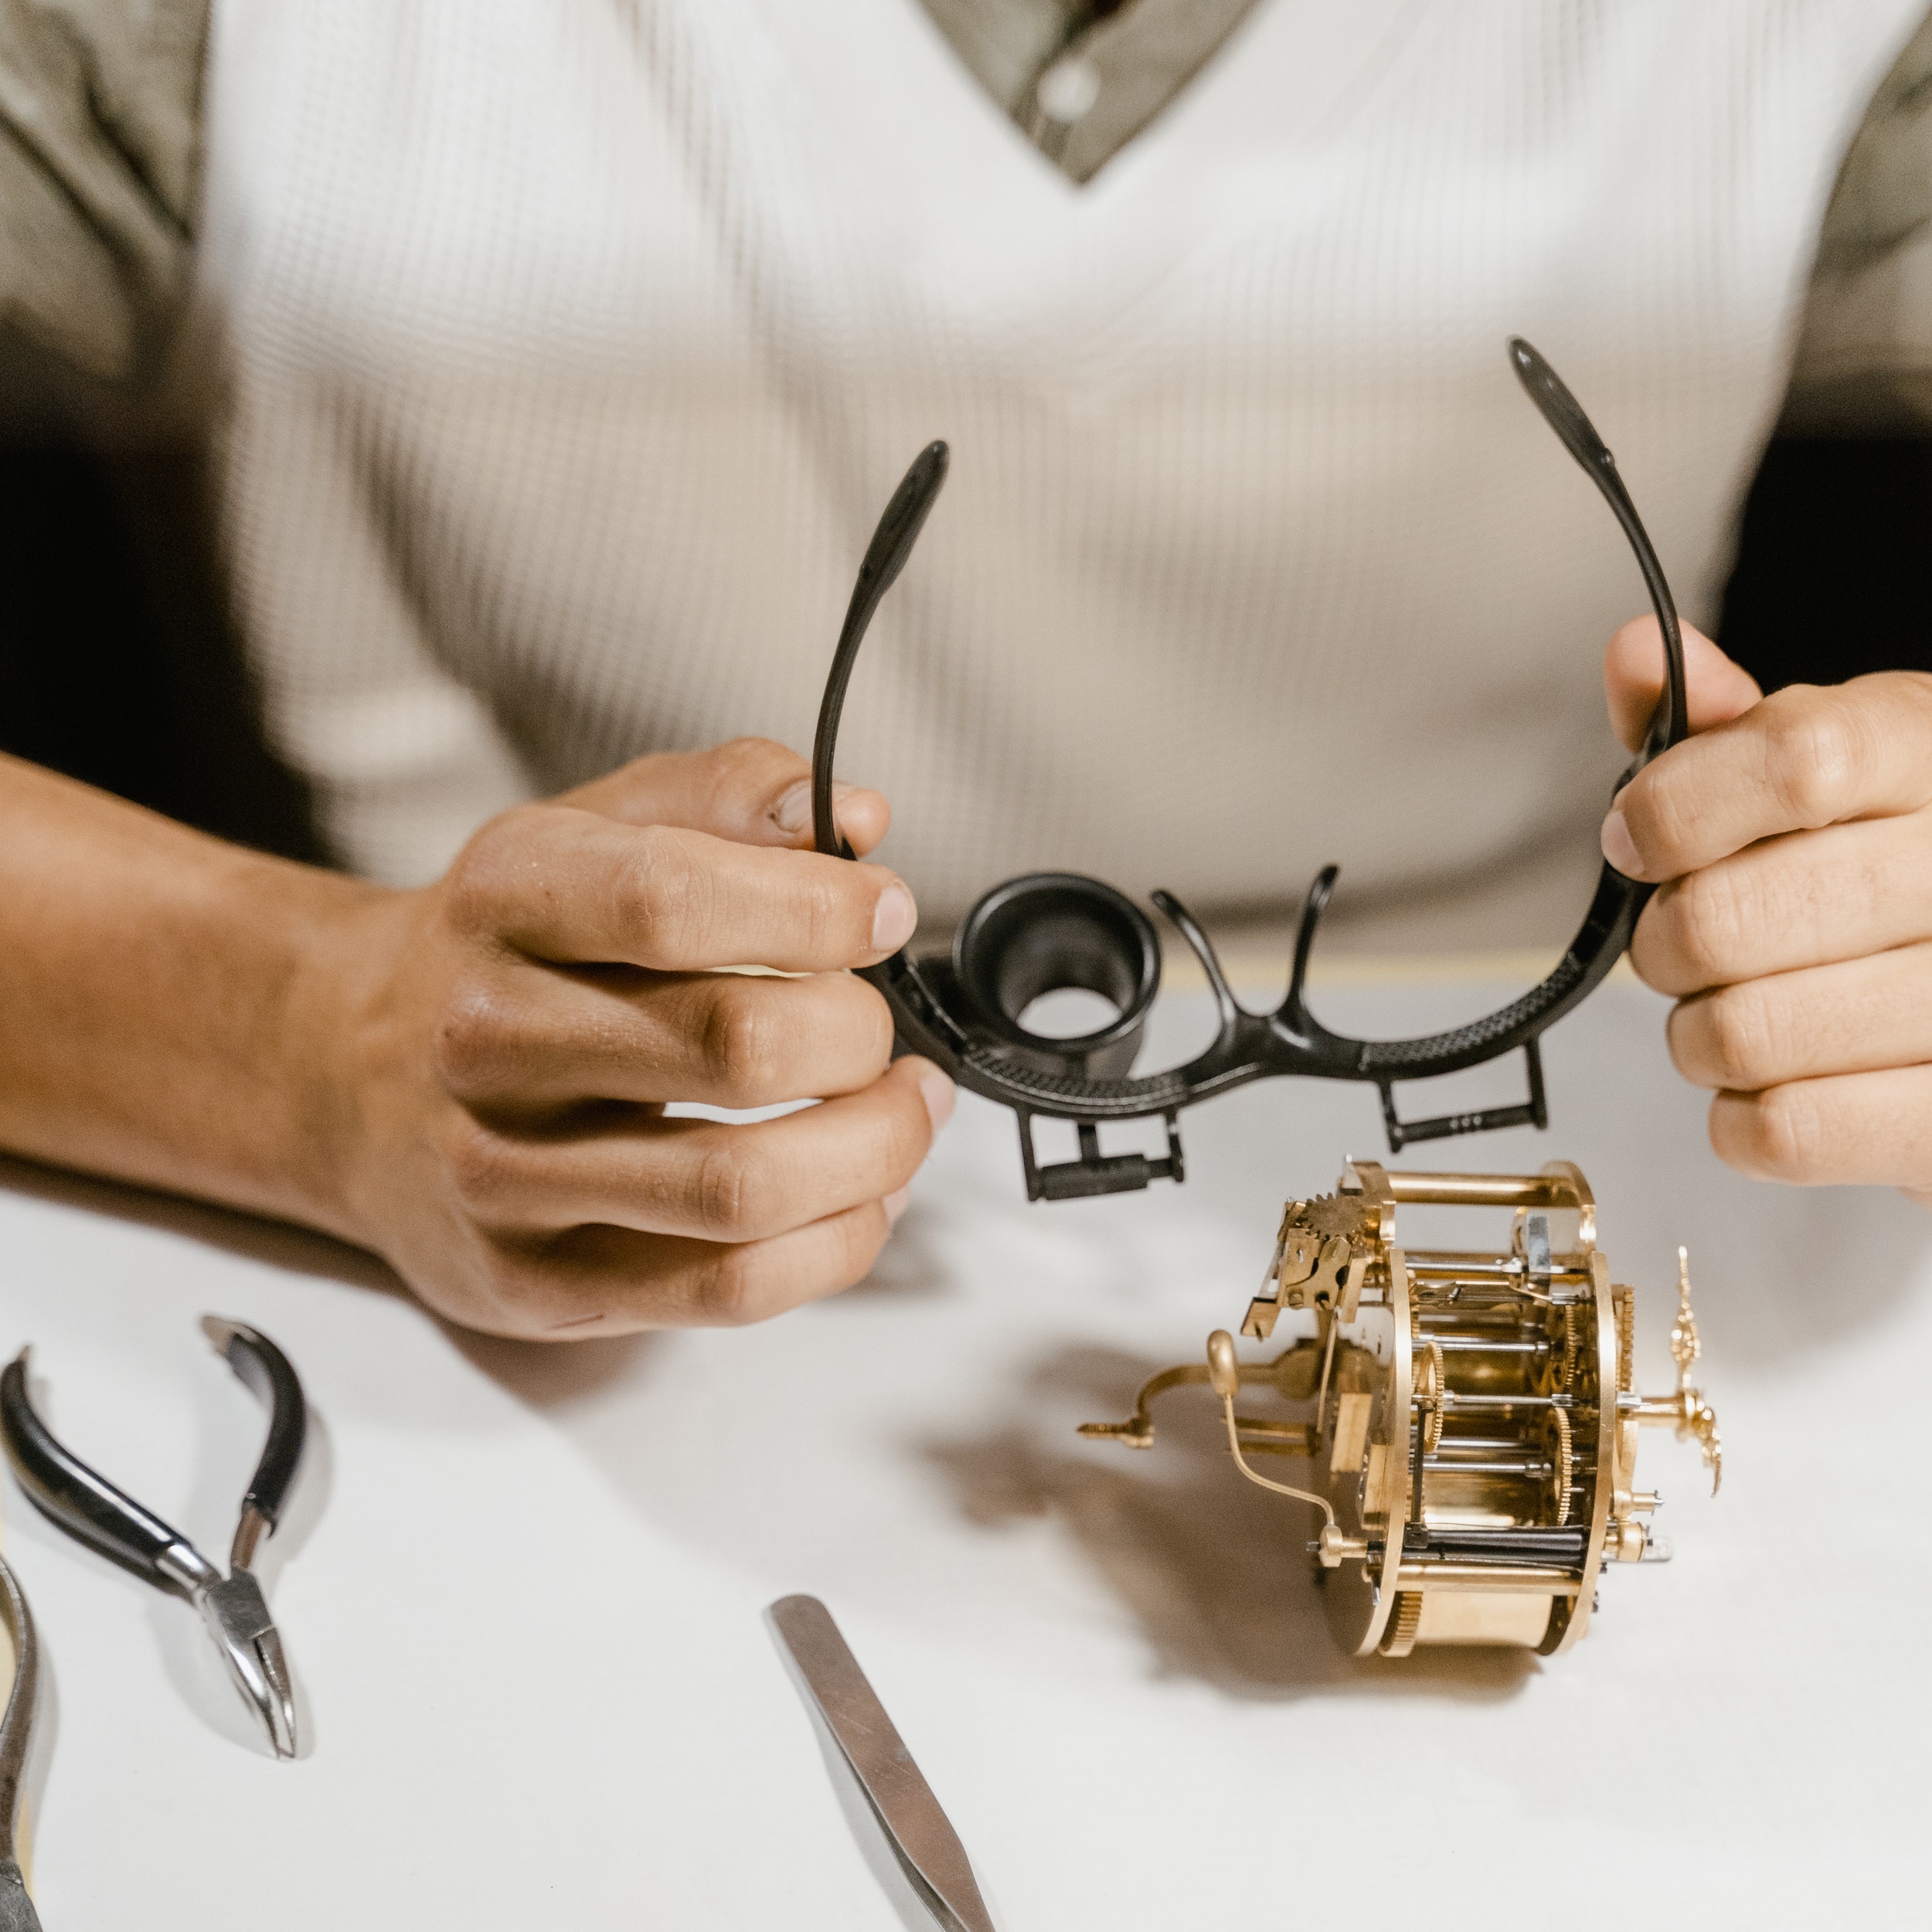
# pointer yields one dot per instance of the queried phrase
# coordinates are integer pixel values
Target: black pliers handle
(272, 1379)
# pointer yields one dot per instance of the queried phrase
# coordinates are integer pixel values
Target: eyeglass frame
(1045, 930)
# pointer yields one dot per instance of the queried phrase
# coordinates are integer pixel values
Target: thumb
(750, 790)
(1717, 689)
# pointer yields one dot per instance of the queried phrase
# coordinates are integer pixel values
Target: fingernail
(1620, 848)
(893, 919)
(895, 1206)
(793, 811)
(940, 1096)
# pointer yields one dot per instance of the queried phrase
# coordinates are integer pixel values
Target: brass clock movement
(1468, 1416)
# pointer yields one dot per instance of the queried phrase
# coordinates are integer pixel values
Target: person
(561, 358)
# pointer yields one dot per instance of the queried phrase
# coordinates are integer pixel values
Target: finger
(603, 1281)
(1715, 689)
(1857, 1017)
(709, 1180)
(1805, 900)
(528, 1039)
(751, 790)
(1807, 755)
(1869, 1129)
(576, 888)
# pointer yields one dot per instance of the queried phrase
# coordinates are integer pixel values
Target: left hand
(1791, 839)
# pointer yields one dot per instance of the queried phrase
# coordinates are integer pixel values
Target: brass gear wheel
(1564, 1465)
(1569, 1360)
(1330, 1214)
(1400, 1638)
(1435, 1387)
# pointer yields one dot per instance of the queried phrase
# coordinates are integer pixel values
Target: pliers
(90, 1509)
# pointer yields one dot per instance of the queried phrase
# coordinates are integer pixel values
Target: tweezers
(921, 1833)
(16, 1727)
(90, 1509)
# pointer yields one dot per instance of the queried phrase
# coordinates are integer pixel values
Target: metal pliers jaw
(90, 1509)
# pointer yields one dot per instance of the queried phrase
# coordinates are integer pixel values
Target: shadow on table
(911, 1267)
(544, 1374)
(1214, 1569)
(548, 1374)
(256, 1237)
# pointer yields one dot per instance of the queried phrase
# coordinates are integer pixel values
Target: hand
(507, 1039)
(1793, 838)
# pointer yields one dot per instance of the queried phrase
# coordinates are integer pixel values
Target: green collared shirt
(1082, 77)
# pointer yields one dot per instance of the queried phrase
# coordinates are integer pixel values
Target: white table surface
(522, 1596)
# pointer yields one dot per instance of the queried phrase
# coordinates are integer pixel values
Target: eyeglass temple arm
(892, 544)
(1669, 723)
(1606, 926)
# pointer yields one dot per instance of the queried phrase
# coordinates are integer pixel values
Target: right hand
(503, 1044)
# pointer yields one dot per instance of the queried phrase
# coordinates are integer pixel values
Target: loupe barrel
(1049, 933)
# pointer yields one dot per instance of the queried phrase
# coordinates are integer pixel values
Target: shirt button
(1068, 90)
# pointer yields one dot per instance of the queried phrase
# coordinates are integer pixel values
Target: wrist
(342, 1046)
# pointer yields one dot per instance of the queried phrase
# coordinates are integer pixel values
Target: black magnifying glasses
(1050, 931)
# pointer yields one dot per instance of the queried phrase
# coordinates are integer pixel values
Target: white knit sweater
(574, 348)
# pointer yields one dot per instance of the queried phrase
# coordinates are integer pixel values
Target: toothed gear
(1403, 1626)
(1569, 1365)
(1332, 1214)
(1566, 1466)
(1434, 1392)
